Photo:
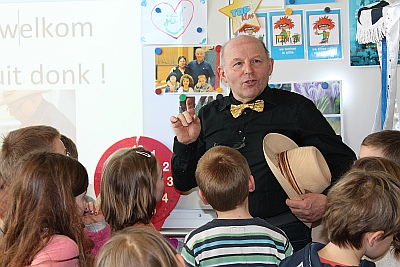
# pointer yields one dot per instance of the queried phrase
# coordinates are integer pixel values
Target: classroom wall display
(267, 5)
(324, 94)
(242, 13)
(305, 2)
(258, 32)
(287, 35)
(324, 35)
(174, 22)
(361, 54)
(177, 71)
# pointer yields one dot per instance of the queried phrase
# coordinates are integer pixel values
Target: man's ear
(203, 198)
(373, 237)
(252, 184)
(221, 73)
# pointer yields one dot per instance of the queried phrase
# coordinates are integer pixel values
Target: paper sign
(174, 22)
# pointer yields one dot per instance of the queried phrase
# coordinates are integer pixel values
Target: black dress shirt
(284, 112)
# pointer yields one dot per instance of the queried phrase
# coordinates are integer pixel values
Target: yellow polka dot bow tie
(237, 110)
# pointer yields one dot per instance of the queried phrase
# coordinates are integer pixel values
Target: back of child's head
(70, 146)
(137, 246)
(223, 175)
(128, 187)
(42, 204)
(385, 165)
(387, 141)
(361, 202)
(22, 141)
(377, 164)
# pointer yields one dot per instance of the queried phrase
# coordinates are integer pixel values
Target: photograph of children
(177, 69)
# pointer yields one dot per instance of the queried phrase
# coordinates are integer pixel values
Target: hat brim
(10, 96)
(273, 144)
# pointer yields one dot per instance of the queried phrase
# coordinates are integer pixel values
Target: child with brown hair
(132, 183)
(185, 82)
(235, 237)
(43, 225)
(355, 221)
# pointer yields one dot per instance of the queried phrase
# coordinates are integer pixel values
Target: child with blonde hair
(138, 247)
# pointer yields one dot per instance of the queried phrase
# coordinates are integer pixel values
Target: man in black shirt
(246, 67)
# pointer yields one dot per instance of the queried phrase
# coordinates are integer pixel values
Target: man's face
(245, 67)
(199, 55)
(369, 151)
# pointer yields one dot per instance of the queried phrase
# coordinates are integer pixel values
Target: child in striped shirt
(235, 238)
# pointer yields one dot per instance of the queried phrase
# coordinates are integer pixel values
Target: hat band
(284, 167)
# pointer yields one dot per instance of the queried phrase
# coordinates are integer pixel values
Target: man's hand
(186, 125)
(310, 209)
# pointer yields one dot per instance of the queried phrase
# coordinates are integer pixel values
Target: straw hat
(299, 170)
(9, 96)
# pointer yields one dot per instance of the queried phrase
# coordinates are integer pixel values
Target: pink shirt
(60, 248)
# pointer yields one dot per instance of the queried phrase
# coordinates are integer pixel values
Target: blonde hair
(137, 246)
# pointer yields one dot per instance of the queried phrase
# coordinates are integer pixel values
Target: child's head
(377, 164)
(202, 79)
(172, 77)
(22, 141)
(223, 176)
(384, 144)
(385, 165)
(186, 80)
(138, 246)
(70, 146)
(131, 185)
(363, 205)
(44, 201)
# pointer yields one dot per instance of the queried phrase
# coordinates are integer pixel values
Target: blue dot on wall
(292, 2)
(199, 29)
(324, 85)
(272, 86)
(158, 10)
(158, 51)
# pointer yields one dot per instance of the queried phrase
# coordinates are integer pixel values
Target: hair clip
(143, 153)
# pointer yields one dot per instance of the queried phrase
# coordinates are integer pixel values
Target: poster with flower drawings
(324, 94)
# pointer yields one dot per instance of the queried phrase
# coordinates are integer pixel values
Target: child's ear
(180, 260)
(203, 198)
(252, 184)
(373, 237)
